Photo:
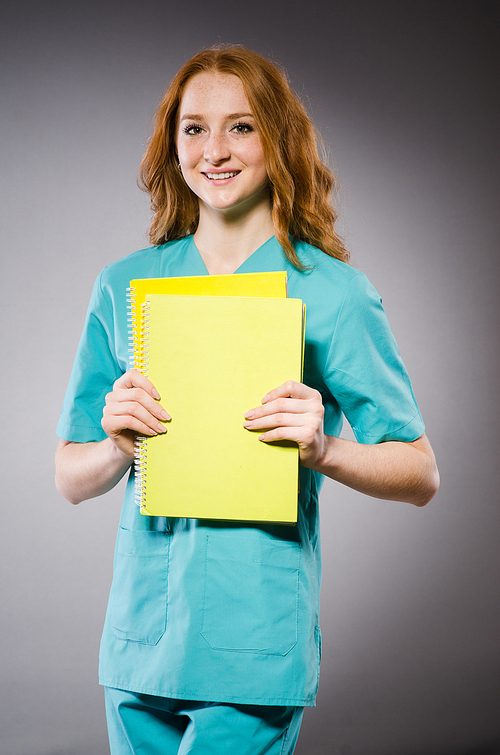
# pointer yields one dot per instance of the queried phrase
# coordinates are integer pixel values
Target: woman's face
(220, 151)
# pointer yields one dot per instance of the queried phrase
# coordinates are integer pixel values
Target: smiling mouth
(221, 176)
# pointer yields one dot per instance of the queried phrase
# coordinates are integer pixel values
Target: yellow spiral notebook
(239, 284)
(212, 358)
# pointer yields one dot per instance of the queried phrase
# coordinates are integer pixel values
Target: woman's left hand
(294, 412)
(393, 470)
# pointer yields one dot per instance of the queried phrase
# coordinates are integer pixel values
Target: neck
(225, 242)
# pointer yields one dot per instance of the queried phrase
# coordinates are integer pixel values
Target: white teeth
(219, 176)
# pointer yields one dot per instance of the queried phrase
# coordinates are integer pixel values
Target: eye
(242, 128)
(192, 129)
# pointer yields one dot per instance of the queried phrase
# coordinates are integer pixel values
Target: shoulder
(144, 263)
(151, 262)
(112, 283)
(328, 277)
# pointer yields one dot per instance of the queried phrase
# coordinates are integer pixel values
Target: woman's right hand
(132, 407)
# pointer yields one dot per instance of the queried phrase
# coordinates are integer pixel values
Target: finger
(283, 419)
(134, 409)
(279, 405)
(115, 426)
(119, 396)
(118, 417)
(303, 436)
(290, 389)
(135, 379)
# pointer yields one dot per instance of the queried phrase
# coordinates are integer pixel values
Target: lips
(221, 176)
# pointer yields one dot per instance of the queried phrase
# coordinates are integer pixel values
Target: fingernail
(162, 428)
(247, 424)
(249, 415)
(164, 415)
(155, 394)
(266, 398)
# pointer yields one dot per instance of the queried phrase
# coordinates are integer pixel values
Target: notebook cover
(240, 284)
(212, 358)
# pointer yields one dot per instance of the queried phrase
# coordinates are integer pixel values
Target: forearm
(87, 470)
(393, 470)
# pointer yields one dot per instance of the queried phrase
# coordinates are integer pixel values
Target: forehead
(208, 93)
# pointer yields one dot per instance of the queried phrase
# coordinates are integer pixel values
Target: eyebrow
(230, 117)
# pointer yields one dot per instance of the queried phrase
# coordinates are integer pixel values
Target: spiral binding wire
(131, 324)
(139, 358)
(141, 469)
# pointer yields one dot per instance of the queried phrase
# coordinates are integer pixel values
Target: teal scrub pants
(150, 725)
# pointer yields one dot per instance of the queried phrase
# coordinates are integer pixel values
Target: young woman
(211, 641)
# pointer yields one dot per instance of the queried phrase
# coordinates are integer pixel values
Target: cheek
(259, 159)
(253, 156)
(187, 153)
(262, 168)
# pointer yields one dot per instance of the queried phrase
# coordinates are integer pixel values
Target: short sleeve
(365, 373)
(94, 371)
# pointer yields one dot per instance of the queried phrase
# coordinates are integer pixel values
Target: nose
(216, 148)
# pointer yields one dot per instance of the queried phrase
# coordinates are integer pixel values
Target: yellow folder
(212, 358)
(239, 284)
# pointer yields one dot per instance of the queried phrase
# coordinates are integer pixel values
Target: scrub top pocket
(138, 601)
(251, 593)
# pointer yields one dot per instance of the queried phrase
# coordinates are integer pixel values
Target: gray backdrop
(405, 96)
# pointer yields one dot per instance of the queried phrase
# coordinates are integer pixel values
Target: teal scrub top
(221, 611)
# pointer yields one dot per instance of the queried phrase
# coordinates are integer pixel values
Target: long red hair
(301, 185)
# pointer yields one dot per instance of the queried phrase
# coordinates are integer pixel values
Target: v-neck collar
(267, 257)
